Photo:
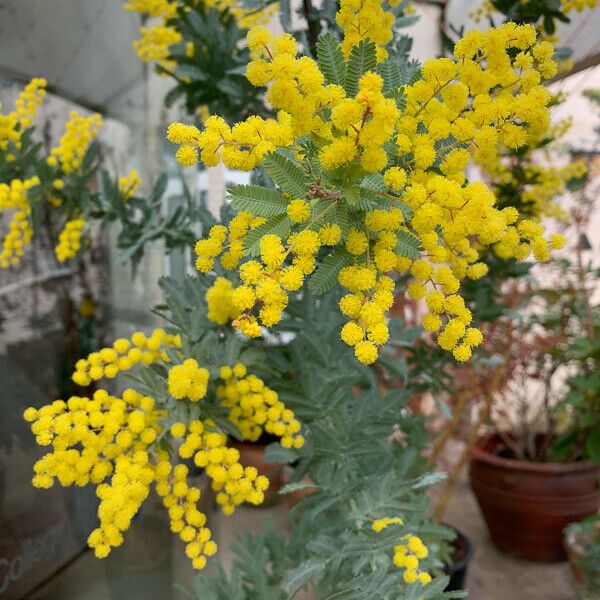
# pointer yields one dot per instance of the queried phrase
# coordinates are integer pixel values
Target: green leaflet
(286, 174)
(325, 277)
(390, 72)
(341, 219)
(307, 571)
(331, 59)
(362, 59)
(279, 225)
(258, 200)
(408, 244)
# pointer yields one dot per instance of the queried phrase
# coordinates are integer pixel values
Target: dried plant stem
(589, 320)
(449, 428)
(454, 475)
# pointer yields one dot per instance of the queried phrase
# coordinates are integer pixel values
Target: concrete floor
(152, 566)
(493, 575)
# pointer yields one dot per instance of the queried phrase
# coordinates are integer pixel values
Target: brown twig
(455, 473)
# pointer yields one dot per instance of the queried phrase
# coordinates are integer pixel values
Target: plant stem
(454, 475)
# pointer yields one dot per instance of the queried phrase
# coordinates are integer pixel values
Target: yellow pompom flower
(188, 380)
(298, 211)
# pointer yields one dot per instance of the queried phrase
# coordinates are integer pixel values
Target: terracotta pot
(526, 505)
(252, 454)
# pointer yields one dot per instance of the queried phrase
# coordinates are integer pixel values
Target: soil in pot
(462, 552)
(526, 505)
(252, 454)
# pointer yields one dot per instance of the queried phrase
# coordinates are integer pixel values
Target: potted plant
(582, 543)
(537, 470)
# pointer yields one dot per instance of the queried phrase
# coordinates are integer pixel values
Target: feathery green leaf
(279, 225)
(408, 244)
(331, 59)
(363, 58)
(258, 200)
(287, 175)
(325, 277)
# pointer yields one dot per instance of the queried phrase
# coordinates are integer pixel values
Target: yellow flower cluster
(129, 183)
(366, 20)
(265, 283)
(363, 125)
(225, 241)
(579, 5)
(233, 483)
(242, 146)
(109, 442)
(94, 439)
(69, 239)
(296, 85)
(124, 354)
(79, 134)
(246, 17)
(359, 127)
(469, 107)
(152, 8)
(181, 501)
(407, 556)
(188, 380)
(155, 40)
(545, 183)
(113, 443)
(255, 408)
(371, 296)
(154, 44)
(534, 179)
(14, 123)
(13, 196)
(263, 292)
(408, 553)
(381, 524)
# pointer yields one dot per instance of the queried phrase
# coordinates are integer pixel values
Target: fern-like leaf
(390, 72)
(409, 71)
(258, 200)
(325, 277)
(340, 218)
(363, 58)
(403, 45)
(408, 244)
(331, 59)
(287, 175)
(279, 225)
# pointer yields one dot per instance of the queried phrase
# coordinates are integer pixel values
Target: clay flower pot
(252, 454)
(526, 505)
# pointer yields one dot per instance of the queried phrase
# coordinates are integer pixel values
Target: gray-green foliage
(362, 460)
(213, 75)
(144, 221)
